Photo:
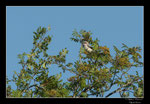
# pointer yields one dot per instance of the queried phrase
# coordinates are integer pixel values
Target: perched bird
(86, 46)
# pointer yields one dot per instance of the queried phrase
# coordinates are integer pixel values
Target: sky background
(111, 25)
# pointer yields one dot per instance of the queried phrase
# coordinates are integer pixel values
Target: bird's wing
(90, 46)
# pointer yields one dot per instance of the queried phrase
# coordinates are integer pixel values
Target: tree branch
(119, 89)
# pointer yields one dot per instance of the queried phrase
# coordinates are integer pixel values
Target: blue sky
(111, 25)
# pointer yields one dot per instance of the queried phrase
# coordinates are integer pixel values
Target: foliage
(95, 72)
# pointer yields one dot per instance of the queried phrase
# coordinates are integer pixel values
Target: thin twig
(119, 89)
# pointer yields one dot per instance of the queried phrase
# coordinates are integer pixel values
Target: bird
(86, 46)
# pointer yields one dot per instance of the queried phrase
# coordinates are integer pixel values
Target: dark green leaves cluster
(94, 72)
(93, 67)
(33, 80)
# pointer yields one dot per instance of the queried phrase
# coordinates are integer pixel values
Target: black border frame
(59, 3)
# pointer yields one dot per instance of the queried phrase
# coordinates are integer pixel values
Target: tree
(95, 72)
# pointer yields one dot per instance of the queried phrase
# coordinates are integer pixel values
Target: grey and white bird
(86, 46)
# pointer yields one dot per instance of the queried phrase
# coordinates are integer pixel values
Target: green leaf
(75, 34)
(29, 56)
(44, 65)
(83, 83)
(58, 76)
(137, 73)
(24, 54)
(29, 66)
(43, 30)
(16, 93)
(134, 87)
(124, 46)
(69, 64)
(95, 46)
(49, 28)
(139, 91)
(83, 94)
(19, 56)
(35, 33)
(116, 49)
(73, 39)
(15, 72)
(39, 29)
